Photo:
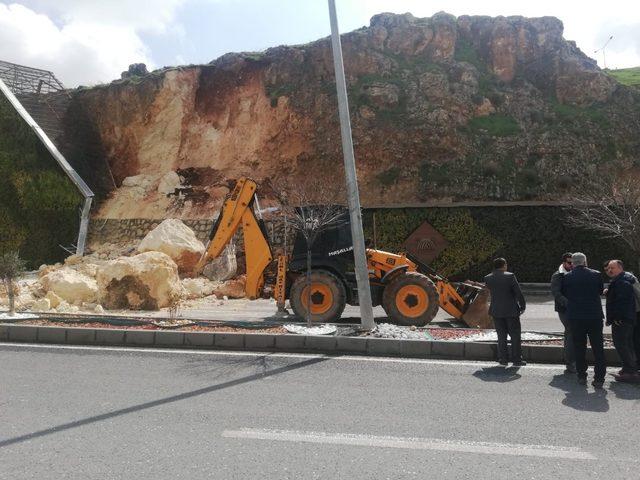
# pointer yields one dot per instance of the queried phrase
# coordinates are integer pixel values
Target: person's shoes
(569, 370)
(597, 383)
(503, 362)
(582, 380)
(519, 363)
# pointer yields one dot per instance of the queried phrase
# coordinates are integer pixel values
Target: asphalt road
(97, 413)
(539, 316)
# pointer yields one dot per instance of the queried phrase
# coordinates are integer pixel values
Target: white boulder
(178, 241)
(147, 281)
(54, 300)
(168, 183)
(41, 305)
(198, 287)
(70, 285)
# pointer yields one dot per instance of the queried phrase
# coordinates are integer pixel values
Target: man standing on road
(621, 315)
(561, 307)
(583, 287)
(507, 304)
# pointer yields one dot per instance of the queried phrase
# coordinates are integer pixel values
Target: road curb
(278, 343)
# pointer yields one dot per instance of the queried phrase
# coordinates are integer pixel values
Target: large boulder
(70, 285)
(147, 281)
(234, 288)
(224, 267)
(175, 239)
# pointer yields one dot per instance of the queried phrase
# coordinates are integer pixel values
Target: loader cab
(332, 250)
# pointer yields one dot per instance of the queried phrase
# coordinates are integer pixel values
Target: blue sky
(89, 42)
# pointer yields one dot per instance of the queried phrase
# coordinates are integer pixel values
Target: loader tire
(410, 299)
(328, 296)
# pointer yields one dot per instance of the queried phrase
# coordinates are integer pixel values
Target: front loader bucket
(477, 314)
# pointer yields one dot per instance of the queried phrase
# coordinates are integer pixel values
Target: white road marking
(514, 449)
(348, 358)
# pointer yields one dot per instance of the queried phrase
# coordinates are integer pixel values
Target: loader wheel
(410, 299)
(328, 296)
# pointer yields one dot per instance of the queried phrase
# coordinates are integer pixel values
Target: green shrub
(38, 202)
(532, 239)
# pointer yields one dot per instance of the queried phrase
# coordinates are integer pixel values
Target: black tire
(335, 296)
(410, 299)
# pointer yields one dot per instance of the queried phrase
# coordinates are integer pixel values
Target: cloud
(82, 42)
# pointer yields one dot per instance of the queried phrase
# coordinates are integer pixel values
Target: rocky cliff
(443, 109)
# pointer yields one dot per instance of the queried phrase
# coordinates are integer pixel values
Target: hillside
(627, 76)
(443, 109)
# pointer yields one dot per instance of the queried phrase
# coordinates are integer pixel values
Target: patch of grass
(276, 91)
(495, 125)
(626, 76)
(466, 52)
(389, 176)
(570, 113)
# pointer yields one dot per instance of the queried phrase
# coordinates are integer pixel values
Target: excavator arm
(237, 211)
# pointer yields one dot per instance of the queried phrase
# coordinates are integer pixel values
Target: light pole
(604, 58)
(353, 198)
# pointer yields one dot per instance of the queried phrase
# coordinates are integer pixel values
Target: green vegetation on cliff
(38, 203)
(627, 76)
(532, 239)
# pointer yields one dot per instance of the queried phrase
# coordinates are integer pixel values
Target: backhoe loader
(410, 292)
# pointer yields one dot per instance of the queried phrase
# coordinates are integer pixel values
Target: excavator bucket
(477, 313)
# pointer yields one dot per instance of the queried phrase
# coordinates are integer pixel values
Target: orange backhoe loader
(409, 291)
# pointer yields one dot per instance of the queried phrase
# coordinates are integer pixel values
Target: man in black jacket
(621, 315)
(561, 307)
(583, 287)
(507, 304)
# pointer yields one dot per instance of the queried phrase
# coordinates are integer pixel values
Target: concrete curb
(279, 343)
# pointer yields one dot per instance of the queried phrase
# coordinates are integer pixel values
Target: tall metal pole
(353, 198)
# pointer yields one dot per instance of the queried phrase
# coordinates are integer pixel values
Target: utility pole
(604, 58)
(353, 197)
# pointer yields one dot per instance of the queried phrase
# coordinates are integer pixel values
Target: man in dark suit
(561, 307)
(507, 304)
(582, 288)
(621, 315)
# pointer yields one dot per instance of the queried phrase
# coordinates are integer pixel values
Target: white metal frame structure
(84, 189)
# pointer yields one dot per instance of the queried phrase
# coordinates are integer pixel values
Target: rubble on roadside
(387, 330)
(113, 276)
(178, 241)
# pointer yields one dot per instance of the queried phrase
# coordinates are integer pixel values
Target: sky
(88, 42)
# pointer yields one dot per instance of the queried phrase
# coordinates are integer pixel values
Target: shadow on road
(625, 391)
(163, 401)
(498, 374)
(578, 396)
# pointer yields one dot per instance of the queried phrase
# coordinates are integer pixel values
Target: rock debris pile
(152, 275)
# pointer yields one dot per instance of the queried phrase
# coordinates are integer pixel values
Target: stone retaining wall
(129, 231)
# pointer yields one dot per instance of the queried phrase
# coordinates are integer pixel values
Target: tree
(310, 209)
(608, 205)
(11, 267)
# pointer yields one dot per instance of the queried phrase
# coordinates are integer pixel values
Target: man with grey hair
(582, 287)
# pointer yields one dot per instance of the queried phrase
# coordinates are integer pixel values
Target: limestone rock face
(147, 281)
(436, 97)
(70, 285)
(175, 239)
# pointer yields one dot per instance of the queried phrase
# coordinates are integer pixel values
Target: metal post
(362, 272)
